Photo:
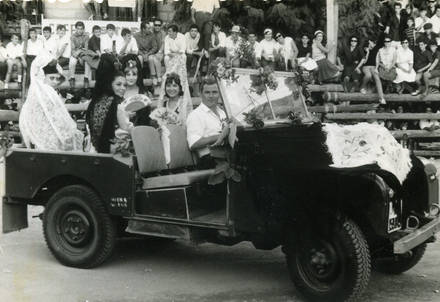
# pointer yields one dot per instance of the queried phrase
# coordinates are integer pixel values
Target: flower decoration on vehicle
(164, 117)
(122, 143)
(6, 138)
(303, 78)
(255, 117)
(263, 80)
(222, 69)
(246, 52)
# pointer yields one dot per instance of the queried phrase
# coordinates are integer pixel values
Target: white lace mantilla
(363, 144)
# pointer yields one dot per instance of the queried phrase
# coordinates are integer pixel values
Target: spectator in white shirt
(34, 47)
(435, 21)
(268, 51)
(129, 44)
(288, 51)
(111, 43)
(218, 42)
(63, 46)
(49, 42)
(206, 125)
(3, 60)
(175, 45)
(15, 57)
(193, 51)
(421, 20)
(202, 14)
(232, 46)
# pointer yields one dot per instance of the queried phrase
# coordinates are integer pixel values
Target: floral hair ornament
(131, 63)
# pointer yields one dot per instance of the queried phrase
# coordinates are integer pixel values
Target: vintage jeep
(333, 223)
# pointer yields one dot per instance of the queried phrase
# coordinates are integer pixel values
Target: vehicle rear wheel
(336, 268)
(77, 228)
(398, 264)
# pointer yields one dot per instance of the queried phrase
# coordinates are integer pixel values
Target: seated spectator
(288, 51)
(93, 48)
(49, 42)
(404, 66)
(3, 60)
(193, 51)
(15, 57)
(34, 47)
(421, 20)
(79, 41)
(249, 60)
(63, 46)
(155, 60)
(218, 42)
(268, 50)
(434, 70)
(129, 44)
(232, 46)
(429, 35)
(435, 21)
(111, 43)
(146, 42)
(429, 125)
(410, 32)
(368, 64)
(305, 54)
(386, 62)
(175, 46)
(206, 124)
(350, 56)
(422, 61)
(327, 71)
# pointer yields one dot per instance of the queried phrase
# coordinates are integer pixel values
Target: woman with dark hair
(105, 113)
(350, 56)
(172, 103)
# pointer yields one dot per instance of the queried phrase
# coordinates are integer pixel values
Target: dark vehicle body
(331, 222)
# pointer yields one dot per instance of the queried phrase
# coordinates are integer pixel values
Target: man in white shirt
(63, 46)
(233, 45)
(193, 52)
(129, 44)
(49, 42)
(202, 12)
(34, 47)
(268, 50)
(207, 124)
(15, 57)
(111, 43)
(175, 44)
(435, 21)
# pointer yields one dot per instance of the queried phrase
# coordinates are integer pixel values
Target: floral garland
(222, 69)
(263, 80)
(122, 143)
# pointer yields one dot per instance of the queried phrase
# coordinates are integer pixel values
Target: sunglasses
(56, 78)
(387, 41)
(277, 37)
(354, 40)
(405, 42)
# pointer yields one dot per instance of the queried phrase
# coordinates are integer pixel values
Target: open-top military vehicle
(280, 189)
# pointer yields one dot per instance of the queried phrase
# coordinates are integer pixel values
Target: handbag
(388, 75)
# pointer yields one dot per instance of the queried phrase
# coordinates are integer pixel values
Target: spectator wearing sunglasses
(350, 56)
(404, 66)
(288, 51)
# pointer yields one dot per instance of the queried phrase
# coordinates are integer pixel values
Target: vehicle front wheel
(336, 268)
(77, 228)
(398, 264)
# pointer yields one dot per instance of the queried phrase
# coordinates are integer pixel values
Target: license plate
(393, 219)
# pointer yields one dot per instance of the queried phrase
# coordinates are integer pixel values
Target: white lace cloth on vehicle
(44, 120)
(363, 144)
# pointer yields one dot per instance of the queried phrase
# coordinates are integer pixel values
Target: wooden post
(332, 28)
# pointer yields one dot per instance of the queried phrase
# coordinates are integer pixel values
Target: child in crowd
(63, 46)
(3, 60)
(34, 47)
(15, 57)
(49, 42)
(129, 44)
(434, 70)
(218, 42)
(79, 43)
(410, 32)
(193, 52)
(111, 43)
(93, 49)
(421, 20)
(305, 53)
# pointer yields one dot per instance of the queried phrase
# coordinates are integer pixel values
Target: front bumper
(417, 237)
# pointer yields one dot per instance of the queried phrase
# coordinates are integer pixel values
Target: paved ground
(143, 270)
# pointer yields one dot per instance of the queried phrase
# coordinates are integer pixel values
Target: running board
(158, 229)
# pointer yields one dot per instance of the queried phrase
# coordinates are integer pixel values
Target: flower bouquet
(222, 69)
(164, 117)
(263, 80)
